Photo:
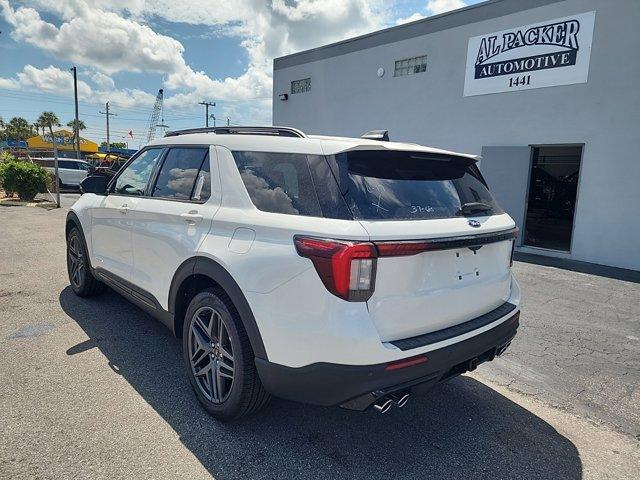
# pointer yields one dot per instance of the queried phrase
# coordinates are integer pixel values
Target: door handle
(124, 209)
(191, 217)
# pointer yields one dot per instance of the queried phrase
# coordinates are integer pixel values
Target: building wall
(348, 98)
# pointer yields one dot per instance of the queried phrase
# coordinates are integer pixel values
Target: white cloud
(412, 18)
(97, 37)
(9, 83)
(110, 36)
(440, 6)
(105, 82)
(51, 80)
(56, 81)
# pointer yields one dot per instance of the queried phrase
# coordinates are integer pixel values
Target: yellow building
(64, 142)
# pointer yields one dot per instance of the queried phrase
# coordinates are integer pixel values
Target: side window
(179, 171)
(69, 165)
(133, 179)
(82, 166)
(278, 182)
(202, 188)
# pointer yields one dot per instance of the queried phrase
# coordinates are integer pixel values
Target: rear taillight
(347, 269)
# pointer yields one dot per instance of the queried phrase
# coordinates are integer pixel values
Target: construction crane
(156, 114)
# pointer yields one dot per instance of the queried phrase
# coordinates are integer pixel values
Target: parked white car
(326, 270)
(70, 171)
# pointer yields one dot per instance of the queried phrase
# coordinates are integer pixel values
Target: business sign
(546, 54)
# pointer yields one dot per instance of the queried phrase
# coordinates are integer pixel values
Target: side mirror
(94, 184)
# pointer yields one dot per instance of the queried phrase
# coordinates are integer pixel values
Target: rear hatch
(444, 243)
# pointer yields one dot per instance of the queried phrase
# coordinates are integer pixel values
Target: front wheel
(219, 358)
(83, 283)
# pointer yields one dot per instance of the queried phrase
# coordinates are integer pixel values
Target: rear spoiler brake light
(414, 247)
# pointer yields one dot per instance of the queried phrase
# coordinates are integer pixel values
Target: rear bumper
(352, 385)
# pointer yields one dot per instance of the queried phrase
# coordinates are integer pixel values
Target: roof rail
(241, 130)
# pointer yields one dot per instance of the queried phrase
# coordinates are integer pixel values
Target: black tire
(82, 281)
(244, 393)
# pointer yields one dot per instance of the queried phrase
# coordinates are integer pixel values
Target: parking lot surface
(94, 388)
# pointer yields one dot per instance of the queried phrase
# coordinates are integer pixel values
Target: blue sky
(216, 50)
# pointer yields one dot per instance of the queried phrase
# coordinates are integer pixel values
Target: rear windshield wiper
(474, 207)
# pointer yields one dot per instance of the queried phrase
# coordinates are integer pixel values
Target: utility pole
(75, 95)
(214, 119)
(228, 122)
(206, 110)
(108, 114)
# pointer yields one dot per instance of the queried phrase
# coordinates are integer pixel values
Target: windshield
(388, 185)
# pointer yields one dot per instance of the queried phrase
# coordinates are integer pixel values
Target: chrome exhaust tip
(400, 399)
(383, 406)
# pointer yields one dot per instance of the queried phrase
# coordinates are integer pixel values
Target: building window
(301, 86)
(409, 66)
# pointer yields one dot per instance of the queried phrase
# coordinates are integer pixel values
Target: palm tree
(37, 127)
(18, 129)
(50, 120)
(77, 126)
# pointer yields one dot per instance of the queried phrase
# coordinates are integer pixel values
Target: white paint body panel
(163, 237)
(111, 234)
(69, 176)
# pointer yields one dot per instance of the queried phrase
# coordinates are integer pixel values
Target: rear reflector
(406, 362)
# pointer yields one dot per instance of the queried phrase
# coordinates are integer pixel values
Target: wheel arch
(197, 273)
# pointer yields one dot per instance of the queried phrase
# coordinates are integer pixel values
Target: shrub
(24, 178)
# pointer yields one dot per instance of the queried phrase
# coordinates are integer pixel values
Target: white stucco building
(545, 90)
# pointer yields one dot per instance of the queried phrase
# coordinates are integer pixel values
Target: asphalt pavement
(94, 388)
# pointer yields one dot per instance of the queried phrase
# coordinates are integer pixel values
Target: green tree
(17, 129)
(114, 145)
(77, 126)
(50, 120)
(37, 127)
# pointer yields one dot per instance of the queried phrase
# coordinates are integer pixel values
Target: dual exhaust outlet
(398, 399)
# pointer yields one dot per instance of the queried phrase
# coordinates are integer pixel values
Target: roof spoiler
(381, 135)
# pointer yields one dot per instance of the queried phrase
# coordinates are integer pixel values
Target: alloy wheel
(211, 354)
(75, 259)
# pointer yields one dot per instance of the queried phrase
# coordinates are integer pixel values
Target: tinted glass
(332, 202)
(67, 164)
(133, 180)
(553, 189)
(178, 173)
(410, 186)
(202, 188)
(278, 182)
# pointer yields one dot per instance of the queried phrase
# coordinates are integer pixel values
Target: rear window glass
(387, 185)
(278, 182)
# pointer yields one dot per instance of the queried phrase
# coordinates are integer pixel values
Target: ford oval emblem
(474, 223)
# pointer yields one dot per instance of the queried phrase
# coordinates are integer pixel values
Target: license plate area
(467, 264)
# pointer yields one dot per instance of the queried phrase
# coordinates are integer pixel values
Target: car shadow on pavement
(462, 429)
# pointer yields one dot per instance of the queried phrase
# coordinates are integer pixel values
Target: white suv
(332, 271)
(71, 172)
